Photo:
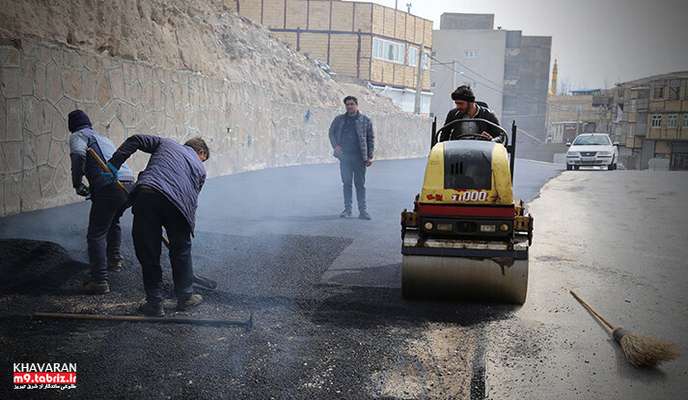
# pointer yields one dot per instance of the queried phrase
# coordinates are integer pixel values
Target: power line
(476, 73)
(478, 77)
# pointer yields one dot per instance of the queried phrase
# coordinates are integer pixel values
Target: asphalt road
(619, 240)
(323, 293)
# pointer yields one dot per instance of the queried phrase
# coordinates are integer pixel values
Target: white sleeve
(78, 144)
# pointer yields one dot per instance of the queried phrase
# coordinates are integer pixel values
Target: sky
(597, 42)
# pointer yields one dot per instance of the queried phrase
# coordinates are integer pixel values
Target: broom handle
(104, 167)
(592, 311)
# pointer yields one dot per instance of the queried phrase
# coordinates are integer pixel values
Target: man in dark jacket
(104, 236)
(466, 108)
(353, 141)
(166, 195)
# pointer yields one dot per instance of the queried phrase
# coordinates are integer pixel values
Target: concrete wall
(466, 21)
(246, 129)
(526, 81)
(483, 51)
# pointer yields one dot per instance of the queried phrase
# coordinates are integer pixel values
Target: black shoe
(364, 215)
(95, 287)
(346, 213)
(115, 266)
(189, 302)
(150, 309)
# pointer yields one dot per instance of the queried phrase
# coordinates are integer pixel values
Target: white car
(592, 150)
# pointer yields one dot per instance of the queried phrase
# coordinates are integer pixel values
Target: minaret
(553, 85)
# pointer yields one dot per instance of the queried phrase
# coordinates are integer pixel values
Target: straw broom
(641, 351)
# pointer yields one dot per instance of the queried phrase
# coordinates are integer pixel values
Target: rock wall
(246, 125)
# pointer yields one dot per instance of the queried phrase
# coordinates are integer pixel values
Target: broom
(641, 351)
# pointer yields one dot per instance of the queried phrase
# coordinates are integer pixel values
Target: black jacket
(364, 129)
(483, 113)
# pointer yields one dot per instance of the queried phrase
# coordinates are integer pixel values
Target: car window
(592, 140)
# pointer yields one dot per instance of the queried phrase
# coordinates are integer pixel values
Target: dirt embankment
(201, 36)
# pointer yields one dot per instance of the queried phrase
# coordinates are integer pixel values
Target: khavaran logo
(28, 376)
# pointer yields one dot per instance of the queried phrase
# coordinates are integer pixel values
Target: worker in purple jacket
(166, 194)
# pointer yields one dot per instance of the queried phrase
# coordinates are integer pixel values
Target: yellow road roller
(467, 237)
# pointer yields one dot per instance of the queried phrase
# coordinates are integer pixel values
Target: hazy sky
(596, 41)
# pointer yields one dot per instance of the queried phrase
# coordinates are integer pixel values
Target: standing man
(166, 195)
(466, 108)
(353, 141)
(104, 236)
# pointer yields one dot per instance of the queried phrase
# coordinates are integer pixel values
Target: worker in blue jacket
(165, 195)
(108, 202)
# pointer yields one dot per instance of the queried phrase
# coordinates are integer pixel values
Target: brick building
(362, 41)
(651, 120)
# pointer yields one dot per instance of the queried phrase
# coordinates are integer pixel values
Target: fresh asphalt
(323, 292)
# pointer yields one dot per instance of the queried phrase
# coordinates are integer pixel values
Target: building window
(657, 121)
(672, 121)
(674, 90)
(659, 92)
(471, 53)
(413, 56)
(388, 50)
(425, 63)
(685, 120)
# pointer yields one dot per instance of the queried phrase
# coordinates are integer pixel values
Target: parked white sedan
(592, 150)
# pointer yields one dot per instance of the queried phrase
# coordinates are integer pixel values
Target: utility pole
(419, 76)
(578, 121)
(453, 86)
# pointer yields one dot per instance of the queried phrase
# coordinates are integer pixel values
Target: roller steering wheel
(471, 136)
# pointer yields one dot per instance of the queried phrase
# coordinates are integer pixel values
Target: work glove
(83, 190)
(111, 175)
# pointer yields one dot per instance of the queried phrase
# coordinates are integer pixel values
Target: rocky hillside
(201, 36)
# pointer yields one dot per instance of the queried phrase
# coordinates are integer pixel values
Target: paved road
(329, 321)
(619, 239)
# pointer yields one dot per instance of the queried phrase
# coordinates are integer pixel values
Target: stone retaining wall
(40, 83)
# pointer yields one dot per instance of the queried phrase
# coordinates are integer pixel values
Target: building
(582, 111)
(651, 120)
(507, 70)
(474, 57)
(526, 81)
(366, 42)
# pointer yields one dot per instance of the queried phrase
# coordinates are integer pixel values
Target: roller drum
(431, 277)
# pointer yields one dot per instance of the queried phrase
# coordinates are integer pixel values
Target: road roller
(467, 237)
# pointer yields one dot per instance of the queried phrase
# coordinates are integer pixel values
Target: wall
(526, 81)
(246, 127)
(466, 21)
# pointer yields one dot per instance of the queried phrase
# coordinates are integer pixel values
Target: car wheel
(612, 166)
(576, 167)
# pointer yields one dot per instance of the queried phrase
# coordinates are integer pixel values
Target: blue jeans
(104, 235)
(353, 170)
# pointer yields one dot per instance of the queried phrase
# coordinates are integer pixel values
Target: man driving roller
(467, 108)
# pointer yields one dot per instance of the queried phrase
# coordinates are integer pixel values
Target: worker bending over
(165, 195)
